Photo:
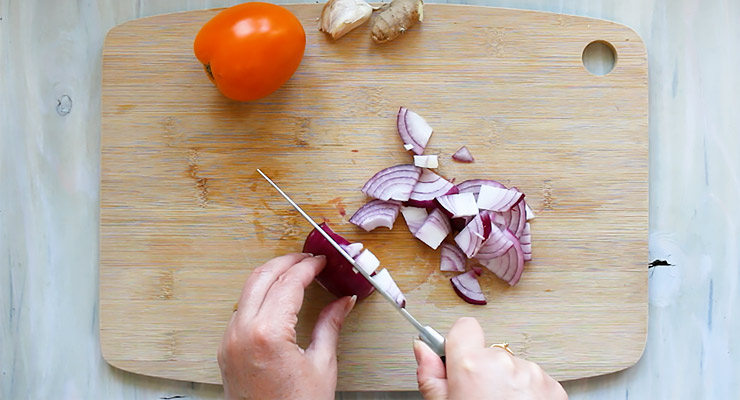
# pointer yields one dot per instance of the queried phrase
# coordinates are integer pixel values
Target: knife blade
(427, 334)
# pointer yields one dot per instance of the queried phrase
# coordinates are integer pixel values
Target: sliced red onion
(498, 199)
(414, 217)
(473, 186)
(434, 229)
(426, 161)
(408, 146)
(526, 242)
(393, 183)
(463, 155)
(495, 246)
(414, 130)
(514, 219)
(376, 213)
(471, 238)
(353, 249)
(429, 187)
(451, 258)
(528, 212)
(384, 280)
(367, 261)
(478, 270)
(458, 224)
(459, 205)
(467, 287)
(338, 276)
(510, 266)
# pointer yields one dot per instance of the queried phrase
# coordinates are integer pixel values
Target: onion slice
(430, 161)
(510, 266)
(459, 205)
(526, 242)
(338, 276)
(498, 199)
(414, 130)
(463, 155)
(495, 246)
(451, 258)
(414, 217)
(434, 229)
(376, 213)
(393, 183)
(514, 219)
(367, 261)
(384, 280)
(473, 186)
(467, 287)
(427, 188)
(471, 238)
(353, 249)
(528, 212)
(408, 146)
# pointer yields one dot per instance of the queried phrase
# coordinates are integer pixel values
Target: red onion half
(467, 287)
(414, 130)
(376, 213)
(393, 183)
(338, 276)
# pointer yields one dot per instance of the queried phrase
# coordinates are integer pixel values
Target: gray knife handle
(434, 340)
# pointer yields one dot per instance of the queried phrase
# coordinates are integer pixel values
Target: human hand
(259, 357)
(475, 371)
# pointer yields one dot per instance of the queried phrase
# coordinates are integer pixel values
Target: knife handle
(434, 340)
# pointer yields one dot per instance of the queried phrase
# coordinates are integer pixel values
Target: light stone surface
(50, 66)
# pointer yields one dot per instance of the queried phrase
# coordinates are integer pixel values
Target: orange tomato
(251, 49)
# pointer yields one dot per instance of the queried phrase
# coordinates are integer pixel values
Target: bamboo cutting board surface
(185, 217)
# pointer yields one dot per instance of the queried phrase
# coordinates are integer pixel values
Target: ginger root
(396, 18)
(338, 17)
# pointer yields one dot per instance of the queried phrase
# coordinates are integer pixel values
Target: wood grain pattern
(184, 216)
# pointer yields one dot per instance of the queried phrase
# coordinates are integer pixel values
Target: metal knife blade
(427, 334)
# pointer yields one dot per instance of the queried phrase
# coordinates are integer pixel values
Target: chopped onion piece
(495, 246)
(528, 212)
(467, 287)
(473, 186)
(367, 261)
(414, 130)
(376, 213)
(463, 155)
(498, 199)
(385, 281)
(459, 205)
(471, 238)
(428, 187)
(451, 258)
(393, 183)
(426, 161)
(414, 217)
(434, 229)
(352, 249)
(510, 266)
(408, 146)
(526, 242)
(478, 270)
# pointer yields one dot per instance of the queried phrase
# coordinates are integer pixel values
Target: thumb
(325, 336)
(431, 374)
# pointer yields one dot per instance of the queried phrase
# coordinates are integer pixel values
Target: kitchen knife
(427, 334)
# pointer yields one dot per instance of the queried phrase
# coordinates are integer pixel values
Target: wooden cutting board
(185, 217)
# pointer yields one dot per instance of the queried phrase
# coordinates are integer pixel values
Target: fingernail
(350, 304)
(320, 256)
(308, 254)
(416, 343)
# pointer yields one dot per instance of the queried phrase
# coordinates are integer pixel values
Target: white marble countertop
(50, 61)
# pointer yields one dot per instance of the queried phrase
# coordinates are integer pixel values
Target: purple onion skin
(337, 277)
(466, 298)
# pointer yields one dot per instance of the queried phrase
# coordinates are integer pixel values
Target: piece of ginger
(396, 18)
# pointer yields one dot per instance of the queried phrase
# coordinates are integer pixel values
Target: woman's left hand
(259, 356)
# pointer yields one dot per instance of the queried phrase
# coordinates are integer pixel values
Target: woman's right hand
(475, 371)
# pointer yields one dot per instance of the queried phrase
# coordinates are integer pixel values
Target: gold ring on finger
(504, 346)
(236, 307)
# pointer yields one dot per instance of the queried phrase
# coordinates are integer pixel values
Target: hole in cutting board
(599, 57)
